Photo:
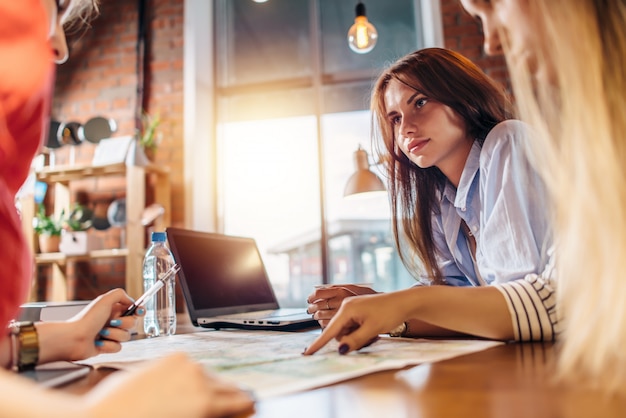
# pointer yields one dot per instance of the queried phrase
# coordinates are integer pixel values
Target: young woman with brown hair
(468, 211)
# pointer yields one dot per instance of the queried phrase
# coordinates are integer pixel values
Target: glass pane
(347, 97)
(268, 169)
(270, 191)
(268, 105)
(394, 21)
(360, 240)
(258, 42)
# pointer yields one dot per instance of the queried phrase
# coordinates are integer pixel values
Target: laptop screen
(220, 273)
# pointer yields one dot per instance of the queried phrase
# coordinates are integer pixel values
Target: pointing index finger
(332, 331)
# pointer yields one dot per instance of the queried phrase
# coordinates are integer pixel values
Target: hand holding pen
(116, 330)
(159, 283)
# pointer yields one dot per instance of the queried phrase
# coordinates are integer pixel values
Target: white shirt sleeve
(514, 220)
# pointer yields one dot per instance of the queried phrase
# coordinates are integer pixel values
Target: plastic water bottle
(160, 318)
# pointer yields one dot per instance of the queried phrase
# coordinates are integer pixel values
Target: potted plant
(48, 228)
(149, 138)
(74, 238)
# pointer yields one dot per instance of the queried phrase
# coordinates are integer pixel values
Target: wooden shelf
(62, 174)
(59, 178)
(61, 258)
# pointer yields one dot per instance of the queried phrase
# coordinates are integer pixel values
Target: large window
(291, 108)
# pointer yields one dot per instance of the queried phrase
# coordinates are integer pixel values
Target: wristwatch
(399, 331)
(25, 344)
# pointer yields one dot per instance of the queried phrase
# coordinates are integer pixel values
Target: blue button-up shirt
(503, 202)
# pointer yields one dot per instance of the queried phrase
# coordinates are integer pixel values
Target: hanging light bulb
(362, 36)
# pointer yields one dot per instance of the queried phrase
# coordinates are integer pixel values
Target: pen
(153, 289)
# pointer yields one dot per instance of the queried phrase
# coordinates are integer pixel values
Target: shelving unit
(59, 179)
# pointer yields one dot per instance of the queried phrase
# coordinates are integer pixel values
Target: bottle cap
(158, 237)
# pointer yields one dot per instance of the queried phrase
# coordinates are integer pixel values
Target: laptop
(225, 283)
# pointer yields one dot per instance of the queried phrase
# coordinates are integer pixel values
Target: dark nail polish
(343, 349)
(372, 341)
(304, 351)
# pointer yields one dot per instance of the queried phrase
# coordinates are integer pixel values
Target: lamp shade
(363, 180)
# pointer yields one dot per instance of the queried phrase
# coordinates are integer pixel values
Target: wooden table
(511, 380)
(507, 381)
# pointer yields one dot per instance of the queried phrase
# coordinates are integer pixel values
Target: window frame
(200, 104)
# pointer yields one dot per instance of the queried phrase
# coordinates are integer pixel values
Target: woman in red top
(31, 38)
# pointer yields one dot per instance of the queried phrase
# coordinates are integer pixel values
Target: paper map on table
(270, 363)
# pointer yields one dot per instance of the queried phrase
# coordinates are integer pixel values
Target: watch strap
(26, 352)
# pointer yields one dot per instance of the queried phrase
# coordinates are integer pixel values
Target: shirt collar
(459, 195)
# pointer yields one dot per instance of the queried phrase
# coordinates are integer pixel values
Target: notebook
(225, 283)
(51, 311)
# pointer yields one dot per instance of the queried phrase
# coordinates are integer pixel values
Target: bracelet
(400, 330)
(24, 345)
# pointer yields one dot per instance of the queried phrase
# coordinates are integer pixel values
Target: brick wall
(463, 34)
(100, 80)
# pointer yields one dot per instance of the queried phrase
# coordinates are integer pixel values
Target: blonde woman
(567, 64)
(31, 38)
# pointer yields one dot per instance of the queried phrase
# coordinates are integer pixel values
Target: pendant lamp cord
(140, 65)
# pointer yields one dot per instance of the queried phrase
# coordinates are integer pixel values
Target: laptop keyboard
(271, 313)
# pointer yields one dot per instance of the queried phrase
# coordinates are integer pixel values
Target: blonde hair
(80, 14)
(581, 151)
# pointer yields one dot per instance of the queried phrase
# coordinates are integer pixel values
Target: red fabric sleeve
(26, 75)
(25, 86)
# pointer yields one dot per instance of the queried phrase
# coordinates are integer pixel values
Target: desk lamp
(363, 180)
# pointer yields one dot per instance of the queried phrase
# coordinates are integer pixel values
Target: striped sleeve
(532, 305)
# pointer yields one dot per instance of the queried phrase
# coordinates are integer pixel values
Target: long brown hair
(453, 80)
